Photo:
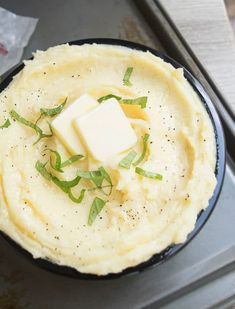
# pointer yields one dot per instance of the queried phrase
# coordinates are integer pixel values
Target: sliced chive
(148, 174)
(95, 209)
(109, 96)
(127, 160)
(32, 125)
(98, 177)
(51, 112)
(6, 124)
(126, 78)
(145, 145)
(65, 186)
(57, 163)
(141, 101)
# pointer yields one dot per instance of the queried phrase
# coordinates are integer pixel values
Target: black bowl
(202, 217)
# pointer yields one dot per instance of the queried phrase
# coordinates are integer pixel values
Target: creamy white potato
(142, 216)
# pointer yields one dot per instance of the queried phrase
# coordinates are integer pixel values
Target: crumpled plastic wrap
(15, 32)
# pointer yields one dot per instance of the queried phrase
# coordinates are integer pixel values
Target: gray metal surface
(62, 21)
(201, 275)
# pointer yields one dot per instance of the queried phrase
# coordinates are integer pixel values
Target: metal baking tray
(202, 275)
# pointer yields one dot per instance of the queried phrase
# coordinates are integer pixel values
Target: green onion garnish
(51, 112)
(72, 160)
(147, 174)
(40, 167)
(98, 177)
(145, 144)
(65, 186)
(6, 124)
(32, 125)
(95, 188)
(141, 101)
(126, 78)
(106, 177)
(95, 209)
(57, 160)
(109, 96)
(127, 160)
(78, 199)
(57, 163)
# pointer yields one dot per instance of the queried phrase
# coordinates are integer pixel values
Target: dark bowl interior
(202, 217)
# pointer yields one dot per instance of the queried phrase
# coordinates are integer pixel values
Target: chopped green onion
(32, 125)
(127, 160)
(57, 162)
(106, 177)
(89, 174)
(141, 101)
(40, 167)
(95, 188)
(126, 78)
(144, 173)
(62, 184)
(95, 209)
(52, 111)
(97, 177)
(141, 158)
(109, 96)
(71, 160)
(65, 186)
(6, 124)
(78, 199)
(58, 165)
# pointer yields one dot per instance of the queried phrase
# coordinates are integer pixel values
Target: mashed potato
(142, 216)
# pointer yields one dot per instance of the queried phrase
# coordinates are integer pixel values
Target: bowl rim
(203, 216)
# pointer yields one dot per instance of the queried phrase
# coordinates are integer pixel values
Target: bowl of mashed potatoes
(111, 158)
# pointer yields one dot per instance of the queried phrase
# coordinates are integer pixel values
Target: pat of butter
(106, 130)
(62, 124)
